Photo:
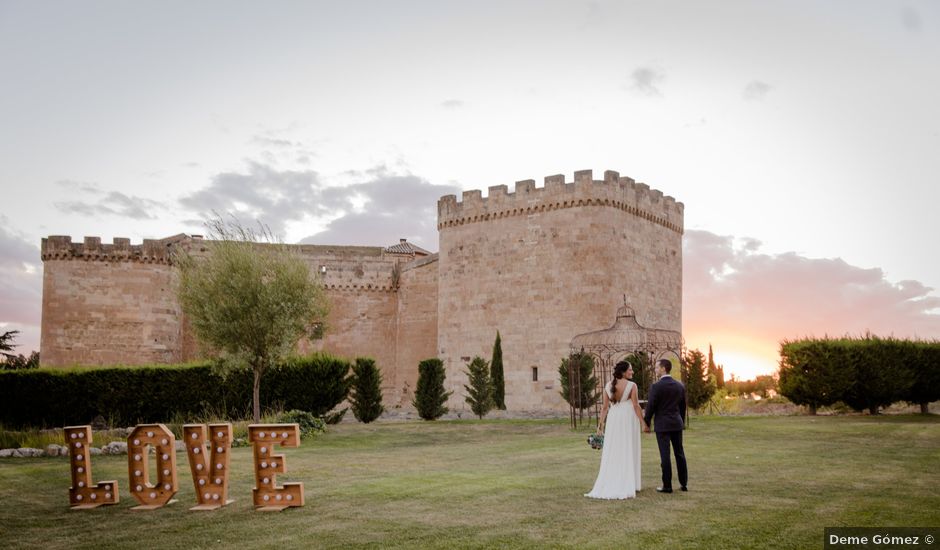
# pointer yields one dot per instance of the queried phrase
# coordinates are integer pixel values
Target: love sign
(209, 469)
(267, 495)
(207, 451)
(82, 495)
(142, 439)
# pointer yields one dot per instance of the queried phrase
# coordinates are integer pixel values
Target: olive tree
(248, 296)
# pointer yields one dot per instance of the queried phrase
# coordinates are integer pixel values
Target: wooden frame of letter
(267, 496)
(160, 438)
(82, 495)
(209, 469)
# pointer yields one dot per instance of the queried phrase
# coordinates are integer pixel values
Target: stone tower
(542, 265)
(109, 303)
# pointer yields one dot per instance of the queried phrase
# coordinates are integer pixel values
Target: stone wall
(417, 324)
(108, 303)
(363, 318)
(116, 304)
(542, 265)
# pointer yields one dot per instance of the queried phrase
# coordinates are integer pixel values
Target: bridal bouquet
(596, 441)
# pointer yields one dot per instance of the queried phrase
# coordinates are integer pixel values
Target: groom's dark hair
(666, 364)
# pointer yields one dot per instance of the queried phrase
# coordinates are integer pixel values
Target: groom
(667, 403)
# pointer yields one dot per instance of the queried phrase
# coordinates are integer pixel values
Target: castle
(539, 264)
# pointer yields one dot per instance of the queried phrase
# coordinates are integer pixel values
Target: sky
(803, 137)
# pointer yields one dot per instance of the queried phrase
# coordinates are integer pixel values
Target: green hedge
(130, 395)
(864, 373)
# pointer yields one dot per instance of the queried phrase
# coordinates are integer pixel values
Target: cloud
(911, 19)
(265, 193)
(21, 273)
(113, 203)
(383, 209)
(274, 142)
(646, 80)
(731, 290)
(756, 90)
(279, 150)
(81, 186)
(452, 104)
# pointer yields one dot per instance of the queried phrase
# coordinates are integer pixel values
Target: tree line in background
(761, 385)
(12, 361)
(865, 373)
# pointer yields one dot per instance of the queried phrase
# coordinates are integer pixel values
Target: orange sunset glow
(740, 356)
(744, 302)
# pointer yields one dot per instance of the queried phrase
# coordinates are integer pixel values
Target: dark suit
(667, 404)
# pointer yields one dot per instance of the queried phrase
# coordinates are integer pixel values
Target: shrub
(429, 394)
(583, 370)
(310, 425)
(879, 374)
(366, 398)
(480, 390)
(129, 395)
(925, 388)
(812, 373)
(315, 383)
(864, 373)
(335, 417)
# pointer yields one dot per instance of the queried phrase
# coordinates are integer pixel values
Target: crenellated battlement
(613, 191)
(61, 247)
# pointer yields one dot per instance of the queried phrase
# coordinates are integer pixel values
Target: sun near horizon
(745, 358)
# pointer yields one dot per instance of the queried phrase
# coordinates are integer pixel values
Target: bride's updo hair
(619, 369)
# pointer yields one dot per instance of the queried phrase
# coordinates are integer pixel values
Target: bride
(620, 421)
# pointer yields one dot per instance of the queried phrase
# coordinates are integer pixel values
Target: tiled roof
(405, 247)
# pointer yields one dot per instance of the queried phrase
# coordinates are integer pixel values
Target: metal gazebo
(624, 339)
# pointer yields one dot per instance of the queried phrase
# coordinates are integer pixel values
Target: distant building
(540, 265)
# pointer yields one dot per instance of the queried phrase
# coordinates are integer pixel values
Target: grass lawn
(755, 482)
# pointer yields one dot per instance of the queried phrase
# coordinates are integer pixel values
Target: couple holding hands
(621, 420)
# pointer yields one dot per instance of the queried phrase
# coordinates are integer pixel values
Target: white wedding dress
(619, 476)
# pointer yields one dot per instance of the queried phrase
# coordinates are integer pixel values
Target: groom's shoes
(684, 488)
(664, 489)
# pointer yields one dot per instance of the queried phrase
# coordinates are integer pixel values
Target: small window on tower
(535, 374)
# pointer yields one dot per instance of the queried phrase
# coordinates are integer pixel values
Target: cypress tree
(480, 390)
(715, 371)
(429, 393)
(496, 375)
(366, 398)
(699, 386)
(583, 366)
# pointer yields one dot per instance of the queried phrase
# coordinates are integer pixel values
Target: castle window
(535, 374)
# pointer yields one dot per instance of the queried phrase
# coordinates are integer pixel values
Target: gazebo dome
(625, 311)
(626, 337)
